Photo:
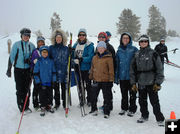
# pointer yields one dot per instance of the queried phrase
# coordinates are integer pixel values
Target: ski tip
(17, 132)
(172, 116)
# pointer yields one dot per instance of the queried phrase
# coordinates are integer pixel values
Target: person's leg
(132, 106)
(35, 95)
(56, 94)
(27, 85)
(154, 99)
(124, 93)
(63, 90)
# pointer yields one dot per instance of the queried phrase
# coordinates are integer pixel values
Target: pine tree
(129, 22)
(172, 33)
(157, 24)
(55, 22)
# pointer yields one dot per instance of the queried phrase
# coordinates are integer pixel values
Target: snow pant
(35, 95)
(45, 96)
(106, 90)
(57, 93)
(23, 81)
(154, 100)
(86, 82)
(127, 103)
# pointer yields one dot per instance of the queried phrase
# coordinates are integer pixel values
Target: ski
(173, 50)
(68, 81)
(81, 103)
(171, 64)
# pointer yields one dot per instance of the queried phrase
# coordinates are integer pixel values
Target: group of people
(135, 70)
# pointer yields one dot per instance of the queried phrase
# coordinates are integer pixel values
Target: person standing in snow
(45, 77)
(146, 71)
(124, 56)
(20, 57)
(59, 52)
(35, 55)
(83, 54)
(102, 36)
(161, 49)
(102, 74)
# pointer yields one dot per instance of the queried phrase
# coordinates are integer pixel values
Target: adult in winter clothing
(59, 52)
(102, 74)
(83, 54)
(45, 77)
(124, 56)
(102, 36)
(146, 70)
(34, 58)
(108, 36)
(161, 49)
(20, 57)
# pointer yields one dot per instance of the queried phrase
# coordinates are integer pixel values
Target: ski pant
(35, 95)
(86, 80)
(57, 93)
(46, 96)
(106, 90)
(144, 91)
(23, 81)
(127, 103)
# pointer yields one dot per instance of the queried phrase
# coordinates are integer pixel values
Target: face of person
(44, 53)
(143, 44)
(102, 37)
(125, 40)
(108, 37)
(82, 36)
(25, 38)
(58, 39)
(101, 50)
(40, 43)
(162, 42)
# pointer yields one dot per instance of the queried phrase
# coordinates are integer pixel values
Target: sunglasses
(101, 37)
(81, 35)
(145, 41)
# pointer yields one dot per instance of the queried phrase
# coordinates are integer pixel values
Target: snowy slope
(57, 123)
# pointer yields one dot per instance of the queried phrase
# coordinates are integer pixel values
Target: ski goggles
(101, 36)
(82, 35)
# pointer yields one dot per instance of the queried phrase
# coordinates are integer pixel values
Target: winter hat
(82, 30)
(43, 48)
(101, 44)
(108, 33)
(162, 39)
(143, 37)
(58, 33)
(26, 32)
(40, 38)
(102, 33)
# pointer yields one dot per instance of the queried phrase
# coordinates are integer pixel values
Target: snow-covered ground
(75, 124)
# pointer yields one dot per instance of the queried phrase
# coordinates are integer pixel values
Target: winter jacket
(110, 48)
(44, 71)
(102, 69)
(87, 56)
(59, 54)
(20, 52)
(146, 68)
(35, 55)
(160, 49)
(124, 56)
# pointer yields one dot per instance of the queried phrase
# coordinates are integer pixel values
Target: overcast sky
(94, 15)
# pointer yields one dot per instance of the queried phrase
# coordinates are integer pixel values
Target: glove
(35, 61)
(95, 84)
(134, 88)
(8, 73)
(156, 87)
(76, 61)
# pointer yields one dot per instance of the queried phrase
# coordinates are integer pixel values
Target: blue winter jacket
(124, 56)
(44, 71)
(23, 50)
(87, 56)
(59, 53)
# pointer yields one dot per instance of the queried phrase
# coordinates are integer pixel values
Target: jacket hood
(60, 32)
(128, 34)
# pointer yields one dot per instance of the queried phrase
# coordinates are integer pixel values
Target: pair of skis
(68, 84)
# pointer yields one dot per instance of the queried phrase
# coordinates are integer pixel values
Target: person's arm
(117, 69)
(91, 70)
(36, 73)
(90, 54)
(111, 69)
(166, 55)
(133, 71)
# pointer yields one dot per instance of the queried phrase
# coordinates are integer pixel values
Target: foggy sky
(94, 15)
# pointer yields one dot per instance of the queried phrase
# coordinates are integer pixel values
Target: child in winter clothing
(45, 76)
(102, 74)
(34, 58)
(146, 70)
(124, 56)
